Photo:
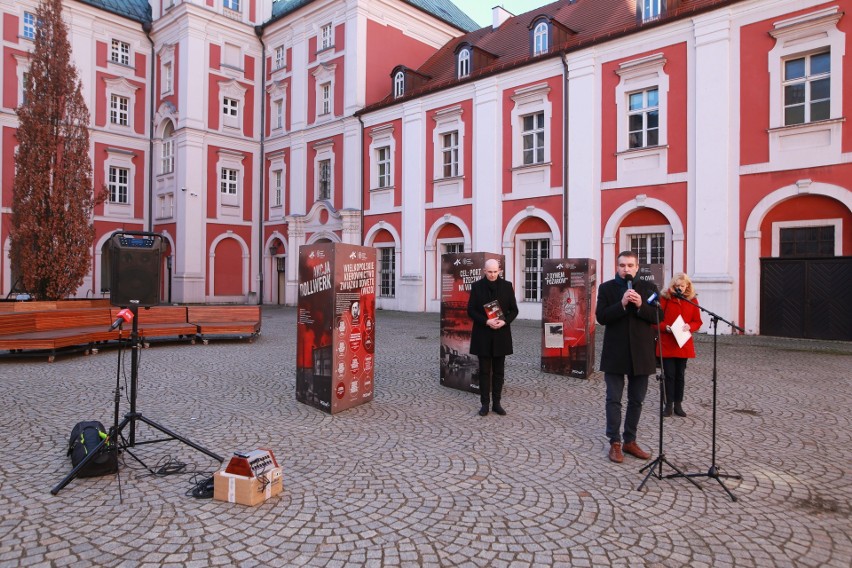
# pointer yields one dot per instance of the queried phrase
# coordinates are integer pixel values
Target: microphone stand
(661, 457)
(713, 472)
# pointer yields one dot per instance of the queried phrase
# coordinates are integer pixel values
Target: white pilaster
(487, 168)
(411, 293)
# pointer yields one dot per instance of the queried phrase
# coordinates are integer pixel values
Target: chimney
(499, 15)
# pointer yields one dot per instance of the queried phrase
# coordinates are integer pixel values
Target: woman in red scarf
(674, 355)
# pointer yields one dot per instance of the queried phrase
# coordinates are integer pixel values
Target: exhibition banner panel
(336, 326)
(459, 369)
(568, 316)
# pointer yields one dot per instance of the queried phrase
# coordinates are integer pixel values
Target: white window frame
(120, 87)
(167, 70)
(119, 110)
(278, 102)
(648, 164)
(325, 180)
(398, 84)
(233, 5)
(119, 52)
(520, 246)
(464, 62)
(805, 223)
(644, 111)
(235, 92)
(533, 178)
(324, 152)
(793, 146)
(28, 26)
(22, 69)
(122, 159)
(541, 38)
(324, 78)
(167, 150)
(450, 154)
(651, 10)
(276, 193)
(165, 205)
(280, 58)
(381, 137)
(448, 191)
(537, 132)
(380, 269)
(277, 198)
(118, 186)
(325, 38)
(625, 234)
(230, 204)
(807, 82)
(384, 164)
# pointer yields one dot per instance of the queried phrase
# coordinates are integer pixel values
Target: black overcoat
(629, 333)
(485, 341)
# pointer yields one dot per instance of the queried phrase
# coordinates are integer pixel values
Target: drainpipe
(362, 179)
(258, 31)
(565, 156)
(147, 27)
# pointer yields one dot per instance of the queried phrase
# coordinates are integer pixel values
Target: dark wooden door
(806, 297)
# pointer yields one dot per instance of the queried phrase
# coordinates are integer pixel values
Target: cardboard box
(247, 490)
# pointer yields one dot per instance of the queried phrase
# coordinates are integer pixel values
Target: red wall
(406, 51)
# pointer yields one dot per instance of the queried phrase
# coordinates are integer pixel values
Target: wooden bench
(159, 322)
(233, 321)
(56, 329)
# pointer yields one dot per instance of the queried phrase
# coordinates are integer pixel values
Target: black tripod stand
(713, 472)
(116, 439)
(661, 457)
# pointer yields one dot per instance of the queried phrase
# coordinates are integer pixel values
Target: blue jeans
(637, 386)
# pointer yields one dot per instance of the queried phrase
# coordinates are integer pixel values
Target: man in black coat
(492, 307)
(628, 349)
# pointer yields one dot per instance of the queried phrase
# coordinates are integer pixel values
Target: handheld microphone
(124, 315)
(629, 278)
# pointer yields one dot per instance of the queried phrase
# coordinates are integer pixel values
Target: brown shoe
(634, 450)
(615, 454)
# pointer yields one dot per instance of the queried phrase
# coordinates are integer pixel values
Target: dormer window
(399, 84)
(464, 63)
(651, 10)
(541, 39)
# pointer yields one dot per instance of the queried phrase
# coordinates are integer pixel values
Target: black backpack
(85, 437)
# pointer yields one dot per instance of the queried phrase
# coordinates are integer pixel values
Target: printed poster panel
(458, 272)
(568, 316)
(336, 326)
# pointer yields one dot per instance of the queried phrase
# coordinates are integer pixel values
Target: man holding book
(492, 307)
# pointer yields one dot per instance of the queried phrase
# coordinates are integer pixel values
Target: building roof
(139, 10)
(583, 22)
(444, 10)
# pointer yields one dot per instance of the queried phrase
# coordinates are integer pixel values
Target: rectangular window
(168, 159)
(450, 154)
(535, 251)
(649, 247)
(651, 10)
(806, 242)
(324, 179)
(643, 118)
(325, 37)
(228, 181)
(387, 272)
(279, 114)
(118, 188)
(807, 88)
(118, 110)
(277, 192)
(533, 138)
(120, 52)
(280, 59)
(383, 163)
(165, 207)
(325, 98)
(168, 77)
(453, 248)
(25, 84)
(231, 5)
(230, 106)
(29, 25)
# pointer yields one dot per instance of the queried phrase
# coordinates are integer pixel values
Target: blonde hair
(687, 290)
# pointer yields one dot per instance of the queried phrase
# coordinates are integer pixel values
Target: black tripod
(713, 472)
(661, 458)
(116, 439)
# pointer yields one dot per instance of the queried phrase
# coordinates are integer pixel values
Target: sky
(480, 10)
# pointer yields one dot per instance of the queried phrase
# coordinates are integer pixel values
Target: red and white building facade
(705, 134)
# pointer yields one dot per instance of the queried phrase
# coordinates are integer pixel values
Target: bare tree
(52, 229)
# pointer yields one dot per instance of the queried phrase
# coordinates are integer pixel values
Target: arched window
(464, 63)
(399, 84)
(540, 39)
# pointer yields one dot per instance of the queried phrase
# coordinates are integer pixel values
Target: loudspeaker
(135, 269)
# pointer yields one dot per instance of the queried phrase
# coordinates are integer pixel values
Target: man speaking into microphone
(628, 350)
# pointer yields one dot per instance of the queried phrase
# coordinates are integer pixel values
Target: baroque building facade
(707, 135)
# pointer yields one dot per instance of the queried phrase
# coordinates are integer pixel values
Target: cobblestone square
(416, 477)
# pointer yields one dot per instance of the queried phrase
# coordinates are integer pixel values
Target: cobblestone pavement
(417, 478)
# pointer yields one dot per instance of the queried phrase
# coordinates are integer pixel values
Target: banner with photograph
(458, 272)
(336, 326)
(568, 316)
